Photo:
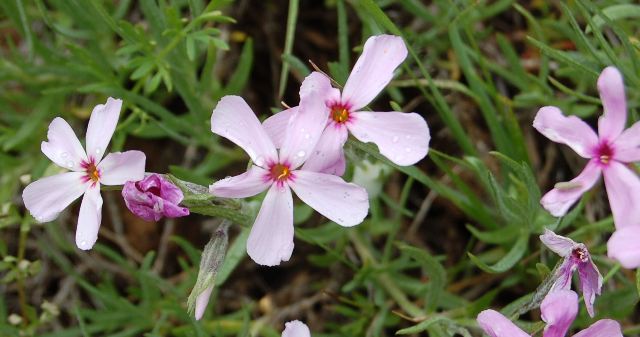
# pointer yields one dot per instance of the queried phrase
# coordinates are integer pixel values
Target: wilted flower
(153, 197)
(609, 153)
(576, 257)
(47, 197)
(210, 262)
(559, 310)
(401, 137)
(296, 329)
(271, 238)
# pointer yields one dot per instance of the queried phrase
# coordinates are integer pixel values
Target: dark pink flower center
(604, 153)
(581, 254)
(92, 173)
(339, 113)
(280, 173)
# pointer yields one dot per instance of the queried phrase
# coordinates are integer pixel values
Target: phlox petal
(628, 145)
(495, 324)
(601, 328)
(558, 200)
(296, 329)
(47, 197)
(611, 88)
(244, 185)
(381, 55)
(328, 155)
(233, 119)
(591, 284)
(63, 147)
(564, 275)
(623, 190)
(271, 237)
(119, 167)
(306, 126)
(559, 309)
(102, 124)
(89, 218)
(623, 246)
(276, 125)
(344, 203)
(558, 244)
(201, 302)
(401, 137)
(569, 130)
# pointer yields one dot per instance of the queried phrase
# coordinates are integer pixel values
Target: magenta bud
(154, 197)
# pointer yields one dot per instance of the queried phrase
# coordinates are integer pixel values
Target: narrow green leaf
(509, 260)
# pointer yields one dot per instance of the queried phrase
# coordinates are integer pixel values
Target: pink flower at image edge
(153, 197)
(558, 310)
(48, 196)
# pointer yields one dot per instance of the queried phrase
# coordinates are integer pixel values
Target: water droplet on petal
(64, 155)
(408, 149)
(307, 136)
(301, 153)
(70, 164)
(98, 150)
(407, 137)
(395, 139)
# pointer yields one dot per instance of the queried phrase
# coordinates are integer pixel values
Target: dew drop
(407, 137)
(70, 164)
(301, 153)
(64, 155)
(98, 150)
(408, 149)
(395, 139)
(307, 136)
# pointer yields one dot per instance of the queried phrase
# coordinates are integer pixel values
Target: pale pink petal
(276, 125)
(202, 301)
(248, 184)
(119, 167)
(495, 324)
(611, 88)
(89, 218)
(559, 309)
(63, 147)
(233, 119)
(271, 237)
(591, 283)
(328, 155)
(296, 329)
(627, 146)
(102, 124)
(381, 55)
(306, 126)
(623, 246)
(564, 275)
(344, 203)
(569, 130)
(602, 328)
(558, 200)
(47, 197)
(623, 190)
(401, 137)
(557, 243)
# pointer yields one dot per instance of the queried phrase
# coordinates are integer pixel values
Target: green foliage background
(477, 71)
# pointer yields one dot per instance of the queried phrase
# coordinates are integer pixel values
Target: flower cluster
(610, 153)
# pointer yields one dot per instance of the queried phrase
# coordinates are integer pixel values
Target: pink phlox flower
(608, 152)
(559, 310)
(296, 329)
(401, 137)
(576, 257)
(153, 197)
(47, 197)
(279, 172)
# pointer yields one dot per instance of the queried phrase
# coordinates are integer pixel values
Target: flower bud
(210, 262)
(153, 197)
